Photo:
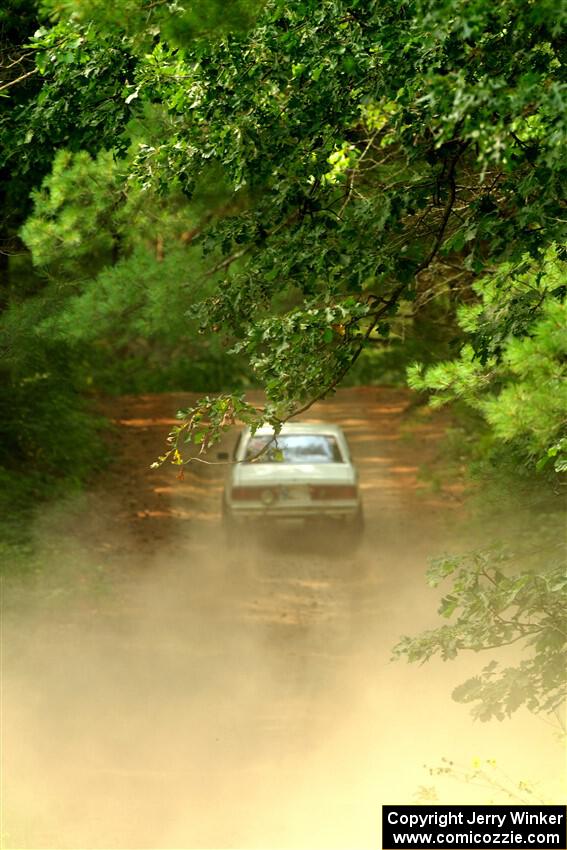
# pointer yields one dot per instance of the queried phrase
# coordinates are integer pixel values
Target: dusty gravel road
(167, 693)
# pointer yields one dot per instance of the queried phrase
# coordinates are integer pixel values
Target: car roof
(302, 428)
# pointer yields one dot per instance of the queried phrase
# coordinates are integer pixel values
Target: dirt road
(193, 697)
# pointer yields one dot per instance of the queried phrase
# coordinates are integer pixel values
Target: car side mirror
(222, 455)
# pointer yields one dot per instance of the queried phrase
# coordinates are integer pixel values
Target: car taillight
(333, 491)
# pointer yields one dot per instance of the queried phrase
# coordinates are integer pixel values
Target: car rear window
(295, 448)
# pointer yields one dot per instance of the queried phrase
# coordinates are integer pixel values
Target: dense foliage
(371, 150)
(513, 368)
(376, 149)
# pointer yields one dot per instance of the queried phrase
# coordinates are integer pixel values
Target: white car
(305, 475)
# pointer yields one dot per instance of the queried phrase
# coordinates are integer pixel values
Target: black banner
(488, 827)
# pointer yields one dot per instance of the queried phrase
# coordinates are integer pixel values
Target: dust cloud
(160, 690)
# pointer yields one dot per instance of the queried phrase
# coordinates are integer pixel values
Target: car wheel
(359, 522)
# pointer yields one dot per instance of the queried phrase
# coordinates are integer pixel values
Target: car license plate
(294, 494)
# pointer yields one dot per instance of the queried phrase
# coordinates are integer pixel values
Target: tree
(371, 149)
(91, 278)
(512, 369)
(376, 148)
(19, 77)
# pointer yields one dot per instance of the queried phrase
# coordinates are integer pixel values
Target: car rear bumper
(310, 514)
